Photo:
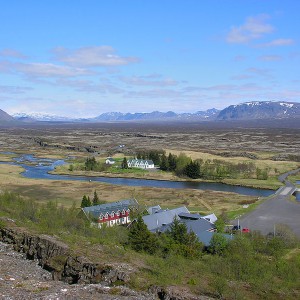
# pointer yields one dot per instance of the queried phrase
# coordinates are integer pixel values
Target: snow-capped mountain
(260, 110)
(40, 117)
(244, 111)
(157, 115)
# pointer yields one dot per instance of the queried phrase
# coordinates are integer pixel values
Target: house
(110, 161)
(140, 163)
(163, 217)
(202, 228)
(159, 221)
(110, 214)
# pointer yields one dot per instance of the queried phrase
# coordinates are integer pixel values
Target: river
(40, 167)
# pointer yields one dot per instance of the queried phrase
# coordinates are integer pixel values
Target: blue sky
(83, 58)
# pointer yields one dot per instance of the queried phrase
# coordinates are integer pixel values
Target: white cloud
(279, 42)
(89, 86)
(144, 81)
(7, 89)
(266, 73)
(49, 70)
(97, 56)
(12, 53)
(270, 58)
(254, 28)
(42, 69)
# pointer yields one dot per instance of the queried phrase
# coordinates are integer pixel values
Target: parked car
(236, 227)
(245, 230)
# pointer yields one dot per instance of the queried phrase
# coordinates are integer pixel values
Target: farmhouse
(110, 161)
(110, 214)
(140, 163)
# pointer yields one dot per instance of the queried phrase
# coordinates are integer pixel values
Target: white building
(140, 163)
(110, 161)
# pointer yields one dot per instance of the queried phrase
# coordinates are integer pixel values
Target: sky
(82, 58)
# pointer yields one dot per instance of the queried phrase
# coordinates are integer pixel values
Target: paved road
(276, 210)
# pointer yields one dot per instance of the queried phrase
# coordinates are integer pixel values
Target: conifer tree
(124, 164)
(88, 202)
(164, 163)
(96, 198)
(84, 201)
(140, 238)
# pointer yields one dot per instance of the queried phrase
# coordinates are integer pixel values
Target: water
(39, 168)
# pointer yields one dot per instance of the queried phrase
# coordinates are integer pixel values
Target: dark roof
(189, 216)
(201, 227)
(97, 210)
(156, 220)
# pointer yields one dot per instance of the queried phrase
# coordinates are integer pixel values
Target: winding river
(40, 167)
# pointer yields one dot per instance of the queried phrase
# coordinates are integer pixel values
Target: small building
(163, 218)
(110, 161)
(159, 221)
(140, 163)
(111, 214)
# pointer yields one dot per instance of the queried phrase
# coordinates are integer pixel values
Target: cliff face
(56, 257)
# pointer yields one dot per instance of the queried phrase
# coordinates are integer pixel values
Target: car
(245, 230)
(236, 227)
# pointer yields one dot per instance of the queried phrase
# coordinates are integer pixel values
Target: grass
(247, 268)
(67, 192)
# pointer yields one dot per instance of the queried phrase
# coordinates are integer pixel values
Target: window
(106, 216)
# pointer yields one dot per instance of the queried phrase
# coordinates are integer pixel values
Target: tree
(164, 163)
(90, 163)
(172, 162)
(218, 244)
(178, 232)
(220, 224)
(96, 198)
(184, 242)
(140, 238)
(89, 203)
(181, 162)
(84, 201)
(192, 170)
(124, 164)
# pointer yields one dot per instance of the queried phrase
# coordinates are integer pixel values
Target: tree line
(86, 201)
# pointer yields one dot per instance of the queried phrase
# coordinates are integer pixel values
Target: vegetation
(250, 266)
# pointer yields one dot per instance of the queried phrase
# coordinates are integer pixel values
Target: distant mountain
(40, 117)
(5, 117)
(157, 116)
(255, 110)
(260, 110)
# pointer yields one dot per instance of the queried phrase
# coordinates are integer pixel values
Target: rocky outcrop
(56, 257)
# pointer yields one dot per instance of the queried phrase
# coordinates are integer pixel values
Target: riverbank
(270, 184)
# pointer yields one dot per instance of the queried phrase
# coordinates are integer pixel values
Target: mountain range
(244, 111)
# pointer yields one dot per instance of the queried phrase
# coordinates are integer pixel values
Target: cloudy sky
(86, 57)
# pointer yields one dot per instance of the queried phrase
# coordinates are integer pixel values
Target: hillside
(260, 110)
(5, 117)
